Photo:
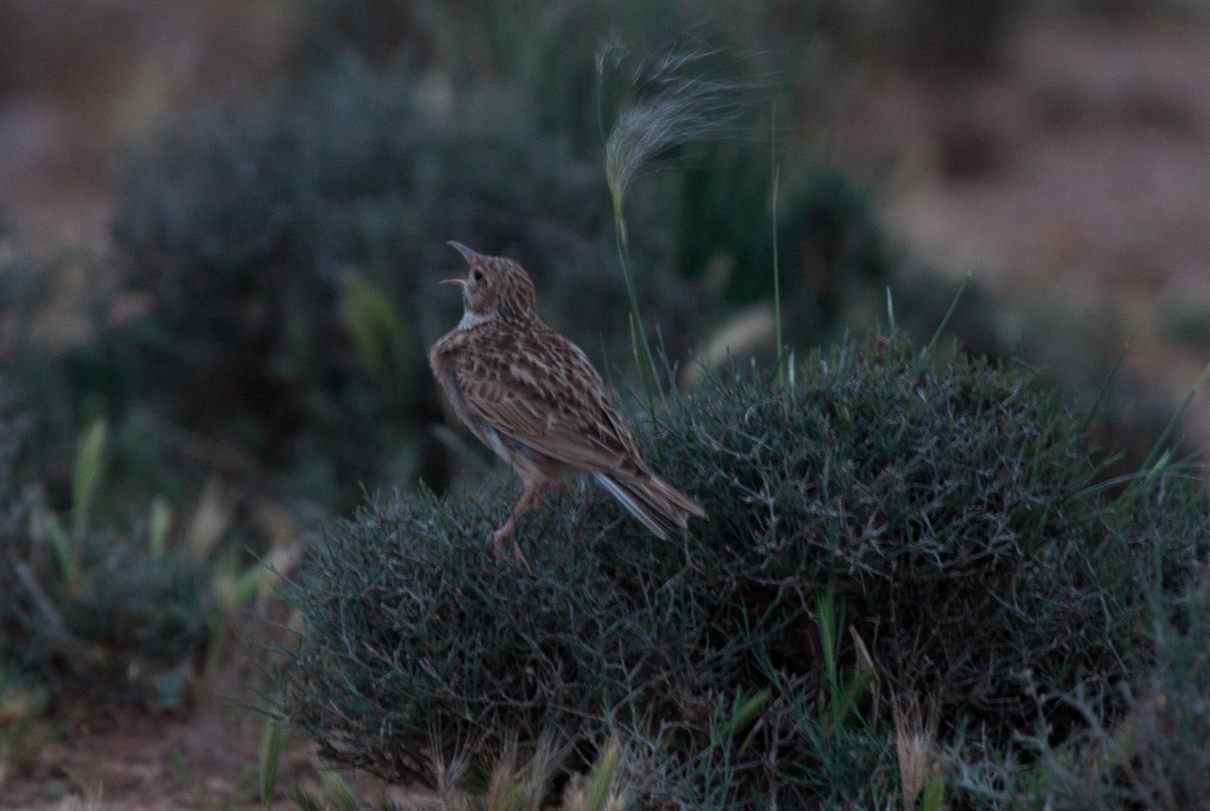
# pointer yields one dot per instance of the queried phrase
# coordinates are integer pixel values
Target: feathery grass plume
(669, 102)
(673, 102)
(604, 790)
(517, 786)
(450, 766)
(915, 747)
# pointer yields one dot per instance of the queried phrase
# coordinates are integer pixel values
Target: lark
(534, 398)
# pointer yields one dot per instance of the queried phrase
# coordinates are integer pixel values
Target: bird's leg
(532, 491)
(556, 486)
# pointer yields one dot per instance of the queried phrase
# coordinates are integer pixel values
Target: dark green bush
(832, 251)
(72, 368)
(1141, 743)
(1162, 760)
(938, 506)
(88, 609)
(114, 632)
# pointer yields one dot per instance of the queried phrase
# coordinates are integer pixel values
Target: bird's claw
(499, 538)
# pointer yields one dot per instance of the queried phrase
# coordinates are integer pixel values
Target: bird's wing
(541, 391)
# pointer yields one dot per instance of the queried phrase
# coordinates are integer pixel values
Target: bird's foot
(557, 486)
(500, 539)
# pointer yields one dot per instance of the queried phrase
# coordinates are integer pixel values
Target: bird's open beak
(453, 281)
(466, 252)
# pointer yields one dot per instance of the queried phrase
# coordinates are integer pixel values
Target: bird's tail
(658, 505)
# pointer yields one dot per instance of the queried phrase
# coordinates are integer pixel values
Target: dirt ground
(206, 756)
(1080, 173)
(203, 760)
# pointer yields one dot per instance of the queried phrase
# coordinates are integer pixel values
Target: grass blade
(775, 183)
(966, 280)
(160, 523)
(1104, 392)
(746, 714)
(87, 473)
(273, 743)
(1159, 447)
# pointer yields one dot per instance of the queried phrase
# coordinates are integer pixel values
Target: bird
(533, 397)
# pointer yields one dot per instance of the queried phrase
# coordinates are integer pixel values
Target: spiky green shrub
(929, 516)
(1141, 743)
(1086, 358)
(1157, 756)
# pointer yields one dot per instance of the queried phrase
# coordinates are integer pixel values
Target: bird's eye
(477, 275)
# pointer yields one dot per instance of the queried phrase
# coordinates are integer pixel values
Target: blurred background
(220, 224)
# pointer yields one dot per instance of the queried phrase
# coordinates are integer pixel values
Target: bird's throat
(471, 319)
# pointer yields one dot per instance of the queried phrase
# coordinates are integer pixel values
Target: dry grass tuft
(915, 746)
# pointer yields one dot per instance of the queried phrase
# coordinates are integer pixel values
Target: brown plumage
(533, 397)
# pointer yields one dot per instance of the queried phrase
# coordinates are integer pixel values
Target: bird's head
(494, 286)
